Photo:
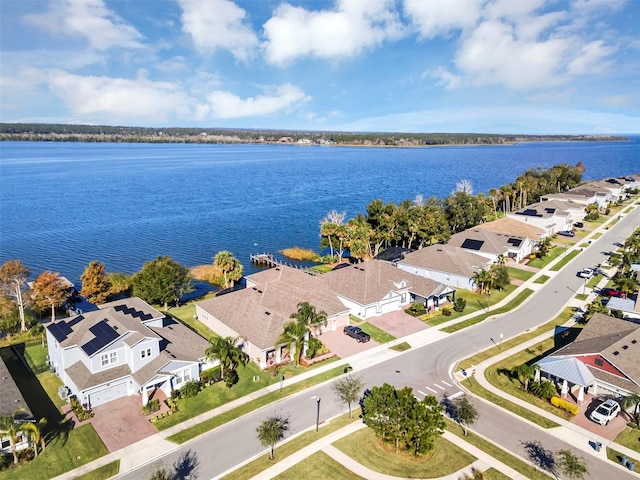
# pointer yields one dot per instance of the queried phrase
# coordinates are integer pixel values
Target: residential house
(491, 245)
(445, 264)
(258, 313)
(126, 347)
(602, 360)
(12, 404)
(628, 307)
(584, 195)
(551, 217)
(511, 226)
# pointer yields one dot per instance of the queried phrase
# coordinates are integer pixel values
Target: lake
(65, 204)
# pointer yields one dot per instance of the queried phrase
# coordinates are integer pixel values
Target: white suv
(586, 273)
(605, 412)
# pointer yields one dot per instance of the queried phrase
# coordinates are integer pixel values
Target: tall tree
(49, 290)
(633, 401)
(295, 334)
(96, 285)
(308, 315)
(524, 373)
(329, 227)
(348, 389)
(482, 280)
(11, 426)
(13, 277)
(271, 431)
(464, 211)
(162, 281)
(228, 353)
(229, 266)
(466, 414)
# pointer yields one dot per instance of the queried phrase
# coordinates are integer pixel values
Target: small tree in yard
(13, 277)
(466, 413)
(48, 290)
(96, 285)
(348, 389)
(271, 431)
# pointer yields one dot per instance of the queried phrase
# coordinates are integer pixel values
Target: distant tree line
(121, 134)
(420, 222)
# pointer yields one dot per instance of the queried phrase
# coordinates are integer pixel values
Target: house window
(144, 353)
(598, 361)
(109, 358)
(183, 377)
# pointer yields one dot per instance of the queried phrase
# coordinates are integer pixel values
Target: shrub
(80, 411)
(460, 304)
(563, 404)
(543, 389)
(175, 394)
(231, 378)
(446, 312)
(416, 309)
(592, 217)
(210, 375)
(190, 389)
(151, 406)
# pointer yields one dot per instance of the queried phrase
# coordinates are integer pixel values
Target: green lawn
(553, 253)
(519, 274)
(521, 297)
(36, 356)
(250, 406)
(593, 281)
(596, 235)
(186, 314)
(318, 466)
(364, 448)
(630, 438)
(107, 471)
(50, 383)
(63, 453)
(261, 463)
(541, 279)
(377, 335)
(565, 259)
(616, 456)
(401, 347)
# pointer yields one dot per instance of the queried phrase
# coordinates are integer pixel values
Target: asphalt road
(425, 369)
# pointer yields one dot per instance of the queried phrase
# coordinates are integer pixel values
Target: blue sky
(486, 66)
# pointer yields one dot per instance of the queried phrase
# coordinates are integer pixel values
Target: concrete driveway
(398, 323)
(343, 345)
(610, 432)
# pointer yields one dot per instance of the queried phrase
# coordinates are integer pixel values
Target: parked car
(605, 412)
(611, 292)
(586, 273)
(567, 233)
(357, 333)
(579, 224)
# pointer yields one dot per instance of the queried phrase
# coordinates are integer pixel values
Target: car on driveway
(357, 333)
(611, 292)
(578, 225)
(567, 233)
(586, 273)
(605, 412)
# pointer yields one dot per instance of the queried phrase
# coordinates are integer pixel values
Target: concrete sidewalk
(156, 446)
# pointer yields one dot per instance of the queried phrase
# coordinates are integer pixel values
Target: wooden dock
(269, 260)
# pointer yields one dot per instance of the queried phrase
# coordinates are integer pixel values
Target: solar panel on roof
(550, 210)
(103, 335)
(516, 242)
(60, 330)
(471, 244)
(529, 212)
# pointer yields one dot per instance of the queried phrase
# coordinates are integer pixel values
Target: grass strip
(521, 297)
(551, 255)
(106, 471)
(493, 474)
(401, 347)
(292, 446)
(616, 457)
(252, 405)
(498, 453)
(318, 466)
(519, 274)
(363, 447)
(187, 314)
(541, 279)
(377, 335)
(566, 259)
(630, 438)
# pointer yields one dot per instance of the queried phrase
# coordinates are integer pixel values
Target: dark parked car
(611, 292)
(567, 233)
(357, 333)
(578, 224)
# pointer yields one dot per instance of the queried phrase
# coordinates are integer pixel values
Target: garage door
(107, 394)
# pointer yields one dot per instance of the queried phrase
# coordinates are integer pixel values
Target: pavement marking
(434, 391)
(459, 393)
(446, 383)
(422, 393)
(441, 388)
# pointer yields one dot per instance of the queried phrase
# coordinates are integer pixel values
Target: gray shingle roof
(84, 379)
(491, 242)
(11, 398)
(446, 259)
(511, 226)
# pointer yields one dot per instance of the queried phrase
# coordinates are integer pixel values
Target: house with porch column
(123, 348)
(603, 360)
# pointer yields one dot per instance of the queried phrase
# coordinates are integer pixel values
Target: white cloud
(592, 59)
(445, 78)
(344, 31)
(218, 24)
(227, 105)
(441, 17)
(90, 19)
(117, 99)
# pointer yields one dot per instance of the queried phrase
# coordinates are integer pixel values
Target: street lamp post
(318, 413)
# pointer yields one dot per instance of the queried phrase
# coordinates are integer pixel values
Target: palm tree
(626, 284)
(524, 373)
(226, 351)
(501, 260)
(296, 335)
(482, 278)
(307, 314)
(11, 427)
(230, 267)
(633, 401)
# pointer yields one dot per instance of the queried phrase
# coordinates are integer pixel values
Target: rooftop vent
(634, 341)
(616, 352)
(267, 313)
(624, 347)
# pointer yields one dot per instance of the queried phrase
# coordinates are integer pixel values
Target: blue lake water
(65, 204)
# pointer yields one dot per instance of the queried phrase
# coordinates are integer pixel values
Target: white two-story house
(126, 347)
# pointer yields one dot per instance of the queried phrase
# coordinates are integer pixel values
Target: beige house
(489, 244)
(552, 217)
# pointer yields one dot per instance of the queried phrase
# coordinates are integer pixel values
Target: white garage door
(107, 394)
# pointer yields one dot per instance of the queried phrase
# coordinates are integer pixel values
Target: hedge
(569, 407)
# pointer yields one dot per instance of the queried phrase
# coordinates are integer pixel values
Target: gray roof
(11, 398)
(546, 209)
(567, 368)
(369, 282)
(511, 226)
(180, 342)
(84, 379)
(616, 340)
(482, 240)
(446, 259)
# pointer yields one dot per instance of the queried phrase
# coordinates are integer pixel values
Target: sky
(485, 66)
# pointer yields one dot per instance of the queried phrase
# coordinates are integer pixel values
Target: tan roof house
(12, 404)
(550, 216)
(490, 244)
(445, 264)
